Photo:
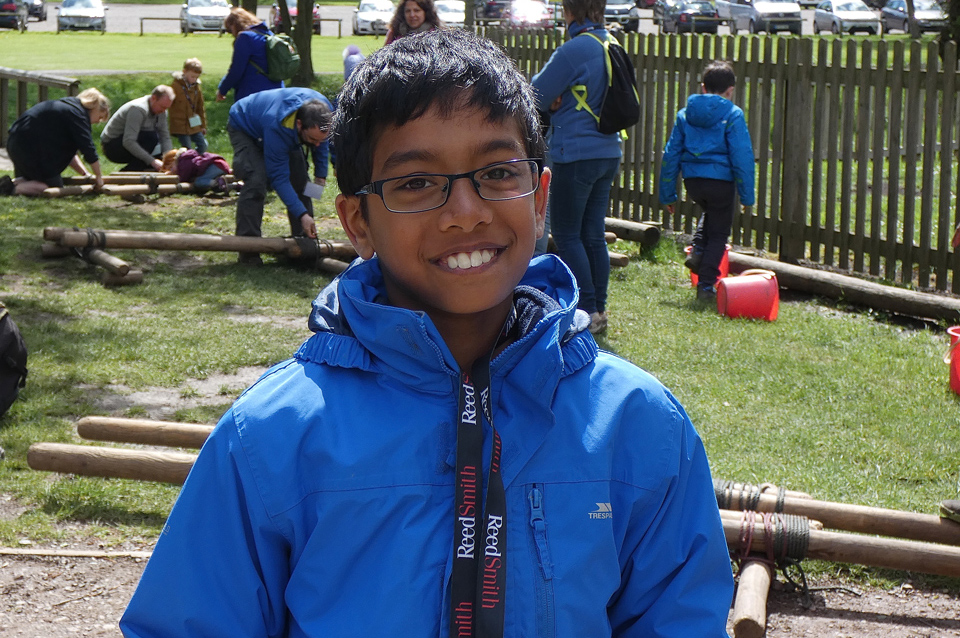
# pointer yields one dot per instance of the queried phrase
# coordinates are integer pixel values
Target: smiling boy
(450, 454)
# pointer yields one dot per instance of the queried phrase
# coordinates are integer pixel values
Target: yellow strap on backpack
(580, 90)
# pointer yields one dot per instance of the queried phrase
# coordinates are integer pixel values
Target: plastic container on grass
(755, 294)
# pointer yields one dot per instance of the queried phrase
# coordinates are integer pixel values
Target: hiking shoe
(692, 262)
(707, 294)
(951, 510)
(6, 185)
(250, 259)
(598, 322)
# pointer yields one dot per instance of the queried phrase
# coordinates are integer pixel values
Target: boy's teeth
(469, 260)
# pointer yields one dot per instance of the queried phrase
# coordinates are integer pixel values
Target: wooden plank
(862, 153)
(949, 263)
(648, 169)
(876, 156)
(821, 107)
(846, 150)
(750, 48)
(765, 80)
(88, 460)
(912, 118)
(774, 221)
(927, 189)
(894, 135)
(835, 77)
(797, 135)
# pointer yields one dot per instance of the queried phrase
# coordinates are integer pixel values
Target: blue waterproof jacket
(249, 48)
(268, 116)
(573, 133)
(709, 139)
(322, 503)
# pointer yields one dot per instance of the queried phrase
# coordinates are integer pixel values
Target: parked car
(755, 16)
(37, 9)
(372, 17)
(660, 8)
(492, 9)
(13, 15)
(929, 15)
(88, 15)
(691, 16)
(618, 11)
(275, 20)
(203, 15)
(452, 12)
(845, 16)
(526, 13)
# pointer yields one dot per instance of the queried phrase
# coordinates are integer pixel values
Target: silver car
(928, 14)
(845, 16)
(203, 15)
(82, 14)
(373, 17)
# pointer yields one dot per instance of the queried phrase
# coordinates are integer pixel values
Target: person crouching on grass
(450, 454)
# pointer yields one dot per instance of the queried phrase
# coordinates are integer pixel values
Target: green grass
(846, 404)
(120, 52)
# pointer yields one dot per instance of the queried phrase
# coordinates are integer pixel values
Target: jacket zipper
(544, 583)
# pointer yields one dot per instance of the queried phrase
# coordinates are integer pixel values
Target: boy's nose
(465, 209)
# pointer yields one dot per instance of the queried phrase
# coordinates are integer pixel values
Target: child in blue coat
(710, 145)
(450, 454)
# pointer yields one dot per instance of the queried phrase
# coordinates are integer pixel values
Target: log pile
(128, 185)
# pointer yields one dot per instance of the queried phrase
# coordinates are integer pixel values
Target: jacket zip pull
(539, 525)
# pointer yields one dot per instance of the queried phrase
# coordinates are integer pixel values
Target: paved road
(125, 18)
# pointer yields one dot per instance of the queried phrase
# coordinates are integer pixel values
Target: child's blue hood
(706, 109)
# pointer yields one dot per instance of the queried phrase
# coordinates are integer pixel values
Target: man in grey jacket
(137, 134)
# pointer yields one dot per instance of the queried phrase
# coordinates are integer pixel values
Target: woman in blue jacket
(584, 160)
(248, 66)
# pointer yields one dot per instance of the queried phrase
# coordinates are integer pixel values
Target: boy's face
(426, 256)
(190, 76)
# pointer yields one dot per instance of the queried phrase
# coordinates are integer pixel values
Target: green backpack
(283, 60)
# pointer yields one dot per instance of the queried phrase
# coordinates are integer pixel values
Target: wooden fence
(855, 142)
(23, 80)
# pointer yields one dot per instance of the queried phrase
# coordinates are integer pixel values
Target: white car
(82, 14)
(452, 12)
(845, 16)
(372, 16)
(755, 16)
(203, 15)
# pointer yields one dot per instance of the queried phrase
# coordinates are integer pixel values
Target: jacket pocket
(543, 570)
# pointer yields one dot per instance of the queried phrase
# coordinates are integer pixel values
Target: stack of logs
(129, 185)
(324, 255)
(884, 538)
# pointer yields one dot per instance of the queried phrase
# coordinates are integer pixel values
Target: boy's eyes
(414, 182)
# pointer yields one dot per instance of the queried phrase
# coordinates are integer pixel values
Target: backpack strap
(580, 90)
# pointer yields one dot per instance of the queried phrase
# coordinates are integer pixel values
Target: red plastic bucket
(724, 265)
(755, 294)
(953, 358)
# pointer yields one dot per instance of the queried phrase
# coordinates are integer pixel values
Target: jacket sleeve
(670, 164)
(740, 149)
(553, 79)
(277, 146)
(238, 63)
(220, 566)
(82, 136)
(678, 580)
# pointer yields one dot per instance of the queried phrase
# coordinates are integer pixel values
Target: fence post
(797, 137)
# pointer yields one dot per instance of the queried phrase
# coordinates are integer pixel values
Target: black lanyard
(186, 94)
(479, 550)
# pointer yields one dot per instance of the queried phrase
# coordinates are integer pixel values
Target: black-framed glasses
(421, 192)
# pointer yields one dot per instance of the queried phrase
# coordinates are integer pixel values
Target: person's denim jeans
(579, 201)
(198, 140)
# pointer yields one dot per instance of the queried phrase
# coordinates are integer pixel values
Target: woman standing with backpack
(247, 72)
(584, 160)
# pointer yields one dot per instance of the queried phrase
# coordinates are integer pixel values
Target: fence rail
(23, 79)
(855, 143)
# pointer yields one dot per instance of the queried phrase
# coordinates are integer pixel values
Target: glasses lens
(414, 193)
(507, 180)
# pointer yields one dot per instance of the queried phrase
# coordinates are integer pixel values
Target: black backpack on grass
(13, 361)
(620, 108)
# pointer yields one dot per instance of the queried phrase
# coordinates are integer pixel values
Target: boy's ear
(354, 224)
(540, 201)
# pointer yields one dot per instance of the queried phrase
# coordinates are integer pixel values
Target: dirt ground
(43, 597)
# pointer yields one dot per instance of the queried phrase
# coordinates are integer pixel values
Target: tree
(248, 5)
(303, 38)
(953, 24)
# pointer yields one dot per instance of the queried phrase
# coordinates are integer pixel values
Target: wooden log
(152, 188)
(143, 431)
(854, 290)
(132, 178)
(645, 234)
(131, 278)
(618, 260)
(859, 518)
(331, 265)
(758, 518)
(763, 488)
(750, 603)
(114, 265)
(179, 241)
(87, 460)
(840, 547)
(610, 238)
(67, 191)
(50, 250)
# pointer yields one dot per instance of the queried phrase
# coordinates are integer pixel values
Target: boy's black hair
(315, 113)
(583, 10)
(448, 69)
(718, 77)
